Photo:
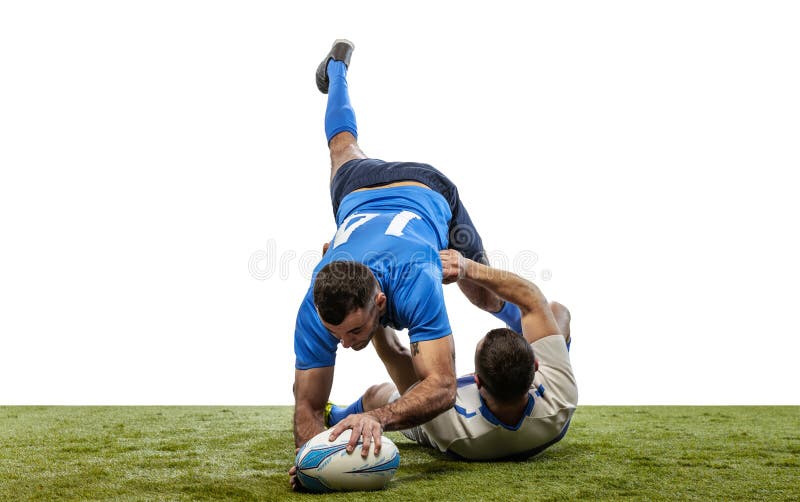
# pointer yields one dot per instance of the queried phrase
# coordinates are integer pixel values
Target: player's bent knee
(343, 148)
(378, 395)
(341, 158)
(372, 391)
(342, 142)
(559, 310)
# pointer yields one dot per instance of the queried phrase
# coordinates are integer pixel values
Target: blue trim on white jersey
(463, 411)
(516, 457)
(465, 380)
(489, 416)
(540, 449)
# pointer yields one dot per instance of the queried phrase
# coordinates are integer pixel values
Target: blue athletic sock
(339, 115)
(510, 315)
(338, 413)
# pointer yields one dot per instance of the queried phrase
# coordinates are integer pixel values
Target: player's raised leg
(563, 319)
(340, 118)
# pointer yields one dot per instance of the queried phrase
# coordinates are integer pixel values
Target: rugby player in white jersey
(521, 398)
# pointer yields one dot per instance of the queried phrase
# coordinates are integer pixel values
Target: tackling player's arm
(537, 318)
(435, 392)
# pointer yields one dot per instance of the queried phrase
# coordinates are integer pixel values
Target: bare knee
(378, 396)
(559, 310)
(563, 317)
(343, 148)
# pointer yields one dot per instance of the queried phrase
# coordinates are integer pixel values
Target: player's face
(357, 328)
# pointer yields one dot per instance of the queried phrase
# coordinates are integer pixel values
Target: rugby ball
(325, 466)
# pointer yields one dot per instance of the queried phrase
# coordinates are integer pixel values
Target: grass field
(191, 453)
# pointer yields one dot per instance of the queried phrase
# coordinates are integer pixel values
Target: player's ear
(380, 300)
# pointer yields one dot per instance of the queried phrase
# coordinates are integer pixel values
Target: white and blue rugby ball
(325, 466)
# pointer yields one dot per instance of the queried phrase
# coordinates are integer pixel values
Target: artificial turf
(195, 453)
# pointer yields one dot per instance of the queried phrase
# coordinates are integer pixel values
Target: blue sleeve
(421, 304)
(314, 347)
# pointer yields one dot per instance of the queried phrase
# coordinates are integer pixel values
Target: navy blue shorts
(362, 173)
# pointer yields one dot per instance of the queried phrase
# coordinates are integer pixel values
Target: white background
(151, 153)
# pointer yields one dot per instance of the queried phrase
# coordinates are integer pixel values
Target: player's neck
(508, 413)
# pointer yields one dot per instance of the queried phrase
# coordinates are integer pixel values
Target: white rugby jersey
(471, 431)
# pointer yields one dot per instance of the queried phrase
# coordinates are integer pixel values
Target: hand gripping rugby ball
(325, 466)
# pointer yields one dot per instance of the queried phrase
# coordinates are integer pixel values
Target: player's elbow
(451, 402)
(448, 385)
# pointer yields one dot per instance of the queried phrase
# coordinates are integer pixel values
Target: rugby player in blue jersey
(381, 269)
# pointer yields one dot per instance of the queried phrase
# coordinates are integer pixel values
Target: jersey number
(396, 226)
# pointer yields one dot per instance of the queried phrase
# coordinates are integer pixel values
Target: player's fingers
(378, 441)
(355, 434)
(336, 431)
(449, 274)
(367, 442)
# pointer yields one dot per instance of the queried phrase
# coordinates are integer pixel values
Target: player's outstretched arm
(433, 394)
(537, 318)
(312, 388)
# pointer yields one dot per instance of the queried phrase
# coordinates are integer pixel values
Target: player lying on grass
(522, 395)
(382, 269)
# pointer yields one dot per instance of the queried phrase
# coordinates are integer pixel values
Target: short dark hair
(342, 287)
(505, 365)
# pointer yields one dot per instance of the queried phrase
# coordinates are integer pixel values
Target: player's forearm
(312, 388)
(507, 285)
(308, 422)
(428, 399)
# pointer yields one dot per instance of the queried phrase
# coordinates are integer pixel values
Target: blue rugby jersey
(398, 233)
